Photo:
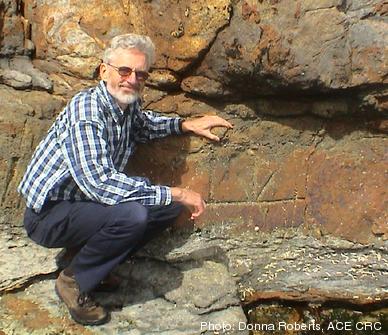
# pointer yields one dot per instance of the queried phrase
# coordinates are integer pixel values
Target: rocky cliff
(296, 192)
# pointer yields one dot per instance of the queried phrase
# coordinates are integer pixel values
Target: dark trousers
(108, 234)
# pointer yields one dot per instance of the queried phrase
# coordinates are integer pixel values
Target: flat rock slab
(155, 298)
(191, 283)
(22, 260)
(305, 269)
(289, 264)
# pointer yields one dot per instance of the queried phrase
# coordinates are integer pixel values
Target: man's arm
(149, 125)
(86, 153)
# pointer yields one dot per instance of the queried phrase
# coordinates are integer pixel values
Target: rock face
(195, 283)
(305, 85)
(314, 45)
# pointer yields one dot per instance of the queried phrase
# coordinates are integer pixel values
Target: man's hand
(203, 125)
(190, 199)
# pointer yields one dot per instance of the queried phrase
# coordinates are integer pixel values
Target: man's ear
(103, 71)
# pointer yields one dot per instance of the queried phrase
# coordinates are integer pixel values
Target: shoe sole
(75, 318)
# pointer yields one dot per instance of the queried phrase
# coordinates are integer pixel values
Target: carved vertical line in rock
(11, 169)
(265, 185)
(2, 13)
(211, 177)
(312, 152)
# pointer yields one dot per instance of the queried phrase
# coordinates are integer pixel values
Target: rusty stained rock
(201, 27)
(183, 105)
(277, 181)
(320, 48)
(164, 80)
(203, 86)
(75, 35)
(369, 61)
(12, 35)
(344, 194)
(25, 118)
(72, 34)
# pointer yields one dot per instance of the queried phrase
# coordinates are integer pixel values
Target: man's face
(125, 89)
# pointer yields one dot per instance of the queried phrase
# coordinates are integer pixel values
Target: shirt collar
(112, 104)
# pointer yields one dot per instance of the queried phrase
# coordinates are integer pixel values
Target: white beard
(126, 99)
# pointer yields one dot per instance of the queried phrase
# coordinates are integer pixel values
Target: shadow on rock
(174, 268)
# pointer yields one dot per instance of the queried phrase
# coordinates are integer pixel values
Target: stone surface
(24, 119)
(39, 79)
(297, 184)
(74, 35)
(346, 178)
(18, 251)
(203, 86)
(316, 319)
(271, 46)
(170, 297)
(187, 277)
(183, 105)
(290, 263)
(15, 79)
(12, 35)
(163, 79)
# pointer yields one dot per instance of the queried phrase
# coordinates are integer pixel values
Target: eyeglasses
(126, 71)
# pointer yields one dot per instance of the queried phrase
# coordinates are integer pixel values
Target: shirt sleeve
(86, 153)
(149, 125)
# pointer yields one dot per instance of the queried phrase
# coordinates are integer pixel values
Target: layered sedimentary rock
(303, 82)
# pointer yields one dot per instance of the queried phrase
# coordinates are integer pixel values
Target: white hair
(131, 41)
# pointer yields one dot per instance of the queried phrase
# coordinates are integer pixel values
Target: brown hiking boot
(81, 306)
(110, 284)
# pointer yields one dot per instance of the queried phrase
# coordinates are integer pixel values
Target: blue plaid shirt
(86, 150)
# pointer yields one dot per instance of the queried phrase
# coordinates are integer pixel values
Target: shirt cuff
(163, 195)
(176, 126)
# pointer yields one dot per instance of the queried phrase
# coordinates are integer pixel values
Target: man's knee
(130, 215)
(138, 213)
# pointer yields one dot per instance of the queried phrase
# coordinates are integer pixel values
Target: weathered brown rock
(203, 86)
(288, 181)
(188, 30)
(39, 79)
(163, 79)
(183, 105)
(305, 85)
(24, 119)
(74, 35)
(15, 79)
(12, 34)
(344, 193)
(235, 177)
(315, 45)
(368, 41)
(196, 175)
